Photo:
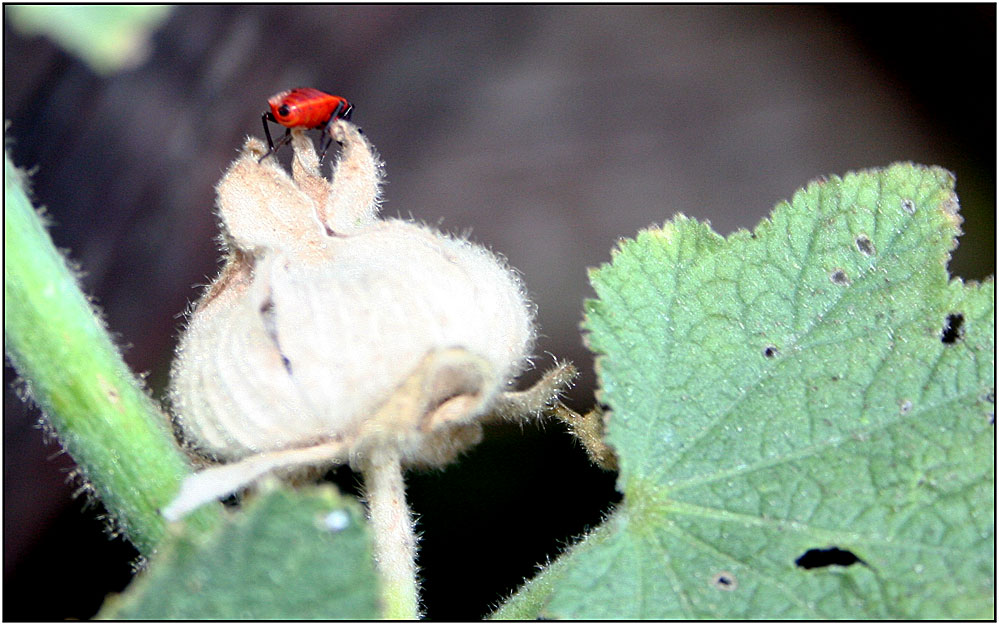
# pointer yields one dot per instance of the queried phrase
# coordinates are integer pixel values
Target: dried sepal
(541, 399)
(428, 421)
(262, 208)
(589, 431)
(353, 200)
(210, 483)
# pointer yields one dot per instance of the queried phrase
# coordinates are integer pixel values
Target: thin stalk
(395, 541)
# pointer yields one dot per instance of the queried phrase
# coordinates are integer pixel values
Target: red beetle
(304, 107)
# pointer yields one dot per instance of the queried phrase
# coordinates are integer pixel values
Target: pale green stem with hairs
(116, 433)
(395, 541)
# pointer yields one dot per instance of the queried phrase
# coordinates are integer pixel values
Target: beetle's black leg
(342, 111)
(325, 144)
(269, 117)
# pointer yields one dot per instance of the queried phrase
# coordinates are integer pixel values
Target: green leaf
(109, 37)
(115, 432)
(286, 555)
(815, 390)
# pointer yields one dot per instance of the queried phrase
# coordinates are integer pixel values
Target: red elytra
(304, 107)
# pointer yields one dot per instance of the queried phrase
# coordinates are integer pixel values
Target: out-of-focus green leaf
(285, 555)
(108, 37)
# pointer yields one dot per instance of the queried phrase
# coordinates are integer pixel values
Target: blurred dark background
(550, 131)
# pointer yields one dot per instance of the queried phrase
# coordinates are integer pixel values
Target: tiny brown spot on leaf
(724, 581)
(838, 276)
(114, 398)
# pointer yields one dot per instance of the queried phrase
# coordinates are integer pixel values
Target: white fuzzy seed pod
(324, 313)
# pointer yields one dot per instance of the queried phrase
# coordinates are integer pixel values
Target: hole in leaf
(724, 581)
(990, 398)
(905, 406)
(770, 351)
(864, 245)
(952, 330)
(839, 276)
(909, 206)
(818, 558)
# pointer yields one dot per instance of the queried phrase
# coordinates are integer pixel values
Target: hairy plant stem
(395, 541)
(104, 418)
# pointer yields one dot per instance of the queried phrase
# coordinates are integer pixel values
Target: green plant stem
(115, 432)
(395, 541)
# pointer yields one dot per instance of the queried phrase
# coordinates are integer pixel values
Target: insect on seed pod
(304, 107)
(331, 333)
